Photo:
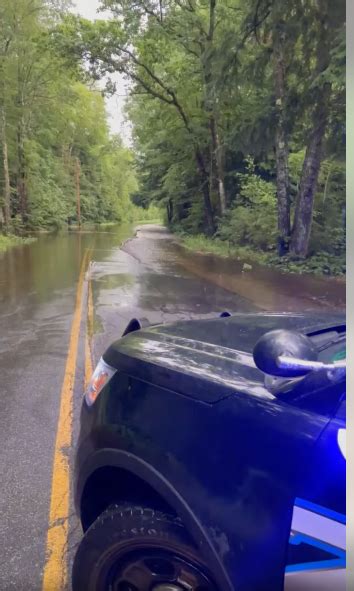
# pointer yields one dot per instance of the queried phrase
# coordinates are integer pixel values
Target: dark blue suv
(211, 457)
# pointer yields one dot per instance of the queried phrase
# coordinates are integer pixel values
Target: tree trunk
(218, 159)
(209, 106)
(7, 190)
(309, 177)
(77, 189)
(281, 145)
(169, 208)
(205, 186)
(311, 167)
(6, 208)
(221, 171)
(202, 170)
(21, 172)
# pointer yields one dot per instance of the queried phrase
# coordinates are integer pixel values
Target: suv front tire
(134, 548)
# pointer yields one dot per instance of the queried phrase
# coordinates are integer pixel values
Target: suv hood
(207, 359)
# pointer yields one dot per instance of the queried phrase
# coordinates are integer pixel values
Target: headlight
(100, 377)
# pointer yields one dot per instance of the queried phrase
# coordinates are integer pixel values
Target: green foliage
(55, 119)
(149, 215)
(203, 110)
(320, 264)
(328, 227)
(173, 60)
(11, 240)
(254, 211)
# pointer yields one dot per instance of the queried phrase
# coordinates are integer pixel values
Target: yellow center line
(55, 568)
(89, 333)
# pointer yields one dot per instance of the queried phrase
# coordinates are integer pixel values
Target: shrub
(252, 221)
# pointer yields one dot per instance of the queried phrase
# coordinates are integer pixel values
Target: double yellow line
(55, 575)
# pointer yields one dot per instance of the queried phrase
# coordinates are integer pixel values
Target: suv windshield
(335, 351)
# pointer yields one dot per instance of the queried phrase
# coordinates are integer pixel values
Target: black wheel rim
(156, 570)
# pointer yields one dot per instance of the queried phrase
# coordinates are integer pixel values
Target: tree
(137, 44)
(215, 86)
(6, 37)
(51, 114)
(302, 38)
(281, 137)
(326, 41)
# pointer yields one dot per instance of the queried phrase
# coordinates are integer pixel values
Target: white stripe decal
(319, 527)
(342, 441)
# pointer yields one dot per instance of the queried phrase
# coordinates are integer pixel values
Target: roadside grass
(10, 240)
(200, 243)
(104, 225)
(321, 263)
(107, 225)
(157, 222)
(136, 216)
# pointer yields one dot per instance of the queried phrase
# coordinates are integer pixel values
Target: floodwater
(268, 288)
(148, 276)
(32, 275)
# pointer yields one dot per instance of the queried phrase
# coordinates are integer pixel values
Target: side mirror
(136, 324)
(285, 353)
(290, 354)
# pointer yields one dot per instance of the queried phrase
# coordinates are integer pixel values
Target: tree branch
(188, 7)
(148, 70)
(148, 88)
(150, 12)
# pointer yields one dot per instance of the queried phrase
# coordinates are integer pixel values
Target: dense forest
(59, 163)
(237, 110)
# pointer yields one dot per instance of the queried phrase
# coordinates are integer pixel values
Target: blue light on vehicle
(342, 441)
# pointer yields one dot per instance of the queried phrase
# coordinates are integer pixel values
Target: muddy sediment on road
(266, 288)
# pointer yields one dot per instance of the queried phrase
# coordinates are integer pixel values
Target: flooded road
(149, 276)
(268, 288)
(37, 299)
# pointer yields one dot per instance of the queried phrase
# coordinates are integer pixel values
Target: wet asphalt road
(148, 277)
